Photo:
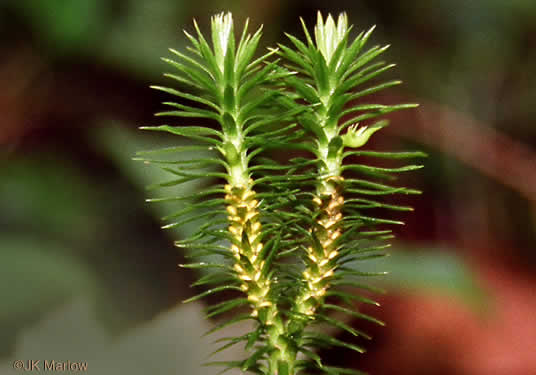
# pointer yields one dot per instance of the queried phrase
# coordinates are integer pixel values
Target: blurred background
(86, 272)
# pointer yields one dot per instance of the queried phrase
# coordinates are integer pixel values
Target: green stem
(245, 228)
(317, 277)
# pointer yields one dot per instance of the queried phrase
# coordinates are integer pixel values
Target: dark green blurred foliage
(65, 234)
(72, 218)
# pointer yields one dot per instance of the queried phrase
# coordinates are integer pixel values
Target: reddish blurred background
(75, 77)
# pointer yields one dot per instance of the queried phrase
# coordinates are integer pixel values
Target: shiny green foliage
(284, 239)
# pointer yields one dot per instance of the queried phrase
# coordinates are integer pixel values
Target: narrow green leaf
(185, 95)
(232, 341)
(253, 337)
(194, 132)
(210, 215)
(298, 44)
(184, 80)
(193, 62)
(342, 371)
(387, 155)
(307, 35)
(355, 314)
(199, 77)
(368, 203)
(368, 168)
(331, 341)
(364, 59)
(213, 279)
(243, 59)
(254, 358)
(205, 50)
(302, 61)
(226, 306)
(348, 297)
(341, 325)
(312, 355)
(212, 291)
(321, 76)
(174, 149)
(204, 265)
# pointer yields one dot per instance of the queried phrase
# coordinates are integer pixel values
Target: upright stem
(329, 201)
(245, 229)
(319, 272)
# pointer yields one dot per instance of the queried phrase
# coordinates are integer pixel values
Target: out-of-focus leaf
(144, 175)
(108, 138)
(35, 274)
(145, 30)
(47, 195)
(427, 270)
(129, 34)
(171, 344)
(65, 25)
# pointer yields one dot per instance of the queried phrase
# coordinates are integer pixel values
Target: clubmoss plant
(291, 232)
